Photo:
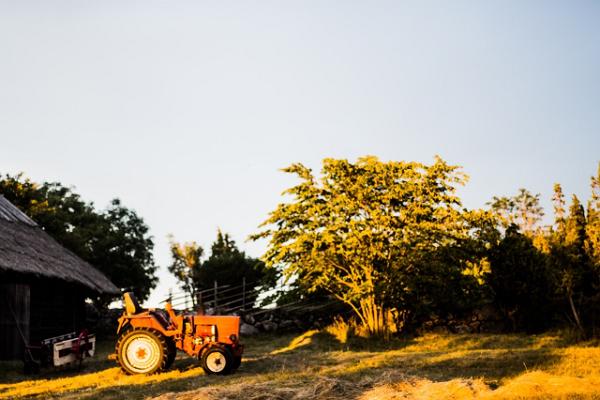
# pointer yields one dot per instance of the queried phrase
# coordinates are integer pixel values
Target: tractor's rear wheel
(142, 351)
(217, 361)
(172, 349)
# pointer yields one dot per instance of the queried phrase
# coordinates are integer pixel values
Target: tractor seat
(131, 304)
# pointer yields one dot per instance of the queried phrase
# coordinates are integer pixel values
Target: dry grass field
(317, 365)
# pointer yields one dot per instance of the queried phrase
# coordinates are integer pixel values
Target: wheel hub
(141, 353)
(216, 361)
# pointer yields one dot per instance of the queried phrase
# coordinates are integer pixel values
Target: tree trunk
(575, 315)
(373, 316)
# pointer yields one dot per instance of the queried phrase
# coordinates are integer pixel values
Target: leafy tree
(522, 209)
(382, 237)
(115, 240)
(520, 282)
(504, 207)
(529, 211)
(570, 247)
(226, 265)
(592, 242)
(575, 226)
(185, 264)
(569, 261)
(558, 200)
(122, 248)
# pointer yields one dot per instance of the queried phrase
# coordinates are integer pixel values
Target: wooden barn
(43, 286)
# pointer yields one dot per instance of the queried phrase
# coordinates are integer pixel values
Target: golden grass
(340, 329)
(303, 340)
(111, 377)
(330, 364)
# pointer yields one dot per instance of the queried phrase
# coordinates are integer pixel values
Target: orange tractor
(149, 339)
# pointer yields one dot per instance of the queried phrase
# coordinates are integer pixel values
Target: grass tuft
(340, 330)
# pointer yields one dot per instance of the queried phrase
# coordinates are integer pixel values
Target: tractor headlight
(233, 337)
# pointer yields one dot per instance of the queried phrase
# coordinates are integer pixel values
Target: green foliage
(185, 263)
(520, 282)
(575, 227)
(522, 209)
(592, 242)
(574, 274)
(383, 237)
(115, 240)
(226, 265)
(392, 240)
(120, 245)
(560, 277)
(559, 207)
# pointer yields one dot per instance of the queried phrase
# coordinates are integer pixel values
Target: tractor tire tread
(172, 349)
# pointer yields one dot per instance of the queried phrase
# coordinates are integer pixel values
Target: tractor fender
(208, 346)
(124, 325)
(147, 320)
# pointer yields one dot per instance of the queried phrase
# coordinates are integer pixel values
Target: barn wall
(14, 319)
(57, 308)
(43, 308)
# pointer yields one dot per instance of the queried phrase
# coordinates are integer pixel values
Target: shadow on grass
(12, 372)
(507, 341)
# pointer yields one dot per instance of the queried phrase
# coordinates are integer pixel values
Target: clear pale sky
(187, 110)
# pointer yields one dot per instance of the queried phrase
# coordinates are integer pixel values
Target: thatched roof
(25, 248)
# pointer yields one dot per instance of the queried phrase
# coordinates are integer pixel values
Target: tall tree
(519, 281)
(592, 243)
(227, 265)
(558, 200)
(373, 234)
(504, 208)
(185, 262)
(121, 246)
(570, 262)
(115, 240)
(523, 209)
(529, 210)
(575, 226)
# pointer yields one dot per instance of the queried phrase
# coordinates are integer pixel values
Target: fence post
(200, 303)
(244, 293)
(215, 295)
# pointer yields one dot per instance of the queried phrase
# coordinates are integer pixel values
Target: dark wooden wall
(56, 308)
(43, 308)
(14, 319)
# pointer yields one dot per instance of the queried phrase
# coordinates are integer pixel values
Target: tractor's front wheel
(237, 361)
(217, 361)
(142, 351)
